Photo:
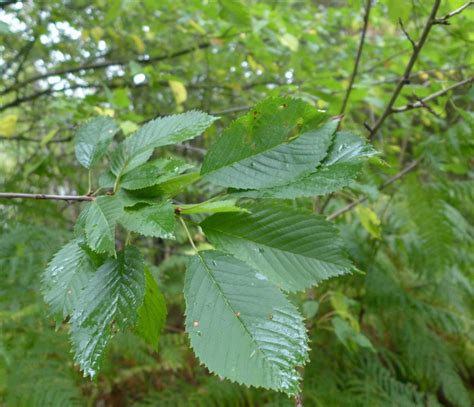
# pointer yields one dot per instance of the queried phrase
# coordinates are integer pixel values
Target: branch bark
(18, 195)
(422, 102)
(368, 6)
(405, 79)
(444, 20)
(390, 181)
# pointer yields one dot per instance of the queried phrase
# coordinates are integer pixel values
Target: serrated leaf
(100, 221)
(338, 170)
(294, 248)
(65, 277)
(109, 303)
(226, 205)
(152, 313)
(137, 148)
(150, 220)
(93, 138)
(279, 140)
(241, 326)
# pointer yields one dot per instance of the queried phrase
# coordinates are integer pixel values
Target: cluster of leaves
(397, 333)
(241, 325)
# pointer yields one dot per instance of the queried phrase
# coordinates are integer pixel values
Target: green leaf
(294, 248)
(100, 221)
(226, 205)
(153, 173)
(235, 12)
(93, 138)
(137, 148)
(152, 313)
(65, 277)
(279, 140)
(338, 170)
(370, 221)
(241, 326)
(150, 220)
(109, 303)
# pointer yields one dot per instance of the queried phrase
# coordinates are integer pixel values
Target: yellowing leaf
(128, 127)
(8, 125)
(97, 33)
(369, 220)
(104, 111)
(48, 137)
(254, 64)
(290, 41)
(179, 91)
(138, 43)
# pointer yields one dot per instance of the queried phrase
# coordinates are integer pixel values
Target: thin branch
(102, 65)
(231, 110)
(444, 20)
(405, 79)
(390, 181)
(358, 56)
(422, 102)
(406, 34)
(34, 140)
(17, 195)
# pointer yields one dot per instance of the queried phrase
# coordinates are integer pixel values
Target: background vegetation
(398, 332)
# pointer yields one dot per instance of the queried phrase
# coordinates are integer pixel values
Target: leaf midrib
(215, 282)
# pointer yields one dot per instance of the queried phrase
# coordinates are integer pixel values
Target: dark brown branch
(422, 102)
(405, 79)
(18, 195)
(102, 65)
(358, 56)
(390, 181)
(444, 20)
(34, 140)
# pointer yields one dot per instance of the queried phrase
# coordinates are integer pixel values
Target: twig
(231, 110)
(444, 20)
(405, 79)
(358, 56)
(406, 34)
(422, 102)
(390, 181)
(17, 195)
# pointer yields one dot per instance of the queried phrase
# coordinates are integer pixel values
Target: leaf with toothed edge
(294, 248)
(156, 220)
(138, 148)
(241, 326)
(280, 139)
(100, 219)
(108, 303)
(338, 170)
(93, 138)
(65, 277)
(152, 313)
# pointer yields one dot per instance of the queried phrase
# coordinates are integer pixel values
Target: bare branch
(406, 34)
(390, 181)
(358, 56)
(405, 79)
(18, 195)
(422, 102)
(444, 20)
